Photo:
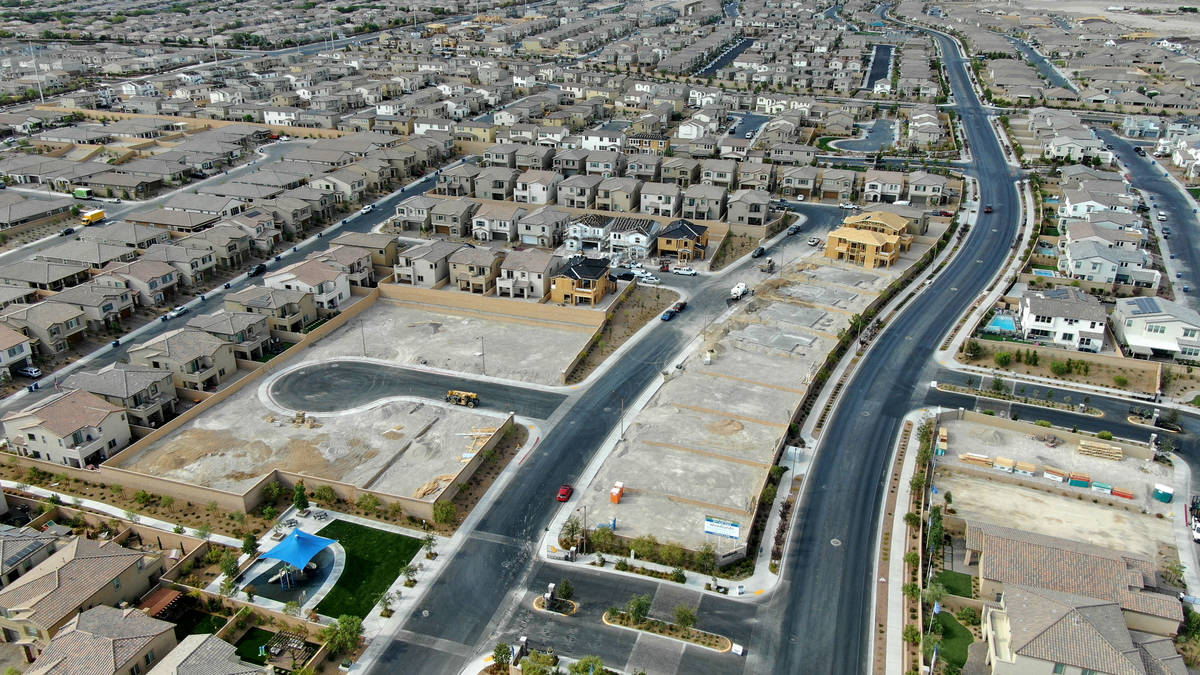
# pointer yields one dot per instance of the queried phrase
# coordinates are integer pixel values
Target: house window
(116, 584)
(150, 657)
(14, 351)
(1190, 332)
(1156, 329)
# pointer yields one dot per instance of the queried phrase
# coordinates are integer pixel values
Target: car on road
(668, 315)
(793, 229)
(684, 271)
(679, 306)
(368, 208)
(67, 232)
(565, 492)
(179, 310)
(758, 252)
(1108, 146)
(945, 214)
(749, 134)
(648, 279)
(30, 371)
(847, 205)
(1138, 150)
(814, 241)
(987, 209)
(258, 270)
(1162, 216)
(622, 274)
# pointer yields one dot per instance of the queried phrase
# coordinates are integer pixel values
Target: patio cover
(298, 548)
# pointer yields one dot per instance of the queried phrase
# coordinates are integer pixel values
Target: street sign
(722, 528)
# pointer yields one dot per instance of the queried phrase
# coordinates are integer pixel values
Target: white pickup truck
(738, 291)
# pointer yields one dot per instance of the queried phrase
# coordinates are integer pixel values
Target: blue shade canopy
(298, 548)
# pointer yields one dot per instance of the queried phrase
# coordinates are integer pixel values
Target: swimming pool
(1002, 323)
(1043, 273)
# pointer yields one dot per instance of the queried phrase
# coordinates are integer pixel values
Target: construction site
(692, 464)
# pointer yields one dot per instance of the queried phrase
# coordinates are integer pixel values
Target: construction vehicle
(467, 398)
(768, 266)
(738, 291)
(91, 217)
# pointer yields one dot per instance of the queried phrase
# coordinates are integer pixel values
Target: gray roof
(18, 543)
(265, 298)
(204, 654)
(437, 249)
(100, 641)
(1148, 308)
(226, 322)
(1082, 250)
(1066, 303)
(92, 294)
(1071, 629)
(120, 380)
(182, 344)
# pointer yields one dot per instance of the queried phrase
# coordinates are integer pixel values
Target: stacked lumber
(976, 459)
(1100, 449)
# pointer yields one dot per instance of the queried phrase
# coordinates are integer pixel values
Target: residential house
(354, 262)
(871, 239)
(330, 286)
(534, 157)
(502, 155)
(416, 213)
(537, 187)
(660, 199)
(106, 639)
(42, 275)
(426, 265)
(383, 248)
(475, 269)
(230, 245)
(750, 207)
(1064, 316)
(457, 181)
(543, 227)
(73, 428)
(644, 168)
(526, 273)
(247, 332)
(632, 237)
(452, 217)
(1156, 327)
(589, 232)
(798, 180)
(193, 265)
(703, 202)
(1006, 557)
(883, 186)
(348, 185)
(582, 281)
(497, 183)
(54, 326)
(683, 171)
(719, 172)
(496, 221)
(927, 189)
(196, 360)
(605, 163)
(102, 306)
(94, 254)
(571, 162)
(126, 234)
(1091, 261)
(146, 394)
(756, 176)
(16, 351)
(286, 310)
(22, 548)
(579, 191)
(619, 194)
(205, 654)
(792, 154)
(81, 575)
(684, 240)
(151, 283)
(837, 184)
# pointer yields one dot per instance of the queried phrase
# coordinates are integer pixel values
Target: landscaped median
(634, 617)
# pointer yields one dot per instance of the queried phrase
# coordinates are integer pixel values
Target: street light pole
(482, 356)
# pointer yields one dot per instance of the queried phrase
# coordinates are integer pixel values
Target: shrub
(1105, 435)
(1060, 368)
(1121, 381)
(678, 576)
(969, 616)
(325, 495)
(1043, 423)
(444, 512)
(1003, 359)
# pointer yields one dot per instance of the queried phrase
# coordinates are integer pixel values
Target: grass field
(373, 560)
(956, 582)
(247, 647)
(955, 639)
(194, 622)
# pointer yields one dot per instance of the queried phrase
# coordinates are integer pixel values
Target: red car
(987, 209)
(565, 492)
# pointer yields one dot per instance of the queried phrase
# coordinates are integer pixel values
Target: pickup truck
(738, 291)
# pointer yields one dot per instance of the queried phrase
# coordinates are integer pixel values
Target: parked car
(1139, 150)
(668, 315)
(30, 371)
(649, 279)
(1162, 215)
(847, 205)
(565, 492)
(679, 306)
(258, 270)
(179, 310)
(945, 214)
(621, 273)
(749, 134)
(758, 252)
(684, 271)
(814, 241)
(793, 229)
(67, 232)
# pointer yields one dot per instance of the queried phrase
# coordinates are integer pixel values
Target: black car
(793, 229)
(258, 270)
(67, 232)
(1139, 151)
(987, 209)
(758, 252)
(621, 273)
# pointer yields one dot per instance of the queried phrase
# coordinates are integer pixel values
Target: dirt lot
(643, 304)
(1055, 515)
(1139, 377)
(732, 249)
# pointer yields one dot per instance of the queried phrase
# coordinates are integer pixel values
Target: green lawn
(1196, 401)
(1195, 192)
(195, 622)
(373, 560)
(247, 647)
(955, 639)
(956, 582)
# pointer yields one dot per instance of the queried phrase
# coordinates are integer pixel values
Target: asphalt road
(881, 65)
(341, 385)
(825, 600)
(1042, 64)
(725, 59)
(880, 134)
(1163, 195)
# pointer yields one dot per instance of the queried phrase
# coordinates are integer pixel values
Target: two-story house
(1064, 316)
(452, 217)
(147, 394)
(883, 186)
(927, 189)
(660, 199)
(617, 194)
(684, 240)
(719, 172)
(703, 202)
(353, 261)
(151, 283)
(246, 332)
(605, 163)
(54, 326)
(543, 227)
(426, 265)
(589, 232)
(416, 212)
(537, 187)
(497, 183)
(526, 273)
(582, 281)
(750, 207)
(197, 360)
(1156, 327)
(457, 181)
(632, 237)
(474, 269)
(578, 191)
(1091, 261)
(329, 286)
(107, 639)
(102, 306)
(683, 171)
(194, 265)
(285, 310)
(497, 221)
(73, 428)
(16, 351)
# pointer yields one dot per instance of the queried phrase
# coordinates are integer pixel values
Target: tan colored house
(247, 332)
(684, 240)
(457, 181)
(683, 171)
(863, 247)
(54, 325)
(72, 428)
(475, 269)
(81, 575)
(383, 247)
(452, 217)
(205, 654)
(106, 640)
(426, 265)
(197, 360)
(582, 281)
(147, 394)
(151, 282)
(703, 202)
(619, 194)
(286, 310)
(748, 207)
(22, 549)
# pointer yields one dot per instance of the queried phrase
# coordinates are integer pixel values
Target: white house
(73, 428)
(1157, 327)
(634, 236)
(1064, 316)
(1090, 261)
(537, 186)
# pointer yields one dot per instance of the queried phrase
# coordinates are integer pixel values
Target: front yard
(373, 561)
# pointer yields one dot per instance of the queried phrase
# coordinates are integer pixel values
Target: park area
(374, 559)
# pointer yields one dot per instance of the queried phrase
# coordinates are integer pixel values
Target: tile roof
(1013, 556)
(57, 586)
(120, 380)
(204, 654)
(64, 414)
(1070, 629)
(100, 641)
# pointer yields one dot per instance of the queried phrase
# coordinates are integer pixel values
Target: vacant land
(643, 304)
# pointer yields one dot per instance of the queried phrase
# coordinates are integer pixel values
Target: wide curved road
(826, 596)
(333, 386)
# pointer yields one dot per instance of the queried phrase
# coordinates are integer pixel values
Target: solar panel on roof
(1145, 306)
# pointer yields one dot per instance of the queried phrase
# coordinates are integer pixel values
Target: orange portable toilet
(618, 491)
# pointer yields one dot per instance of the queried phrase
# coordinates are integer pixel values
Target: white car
(684, 271)
(177, 311)
(635, 266)
(1162, 215)
(648, 279)
(847, 205)
(814, 241)
(368, 208)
